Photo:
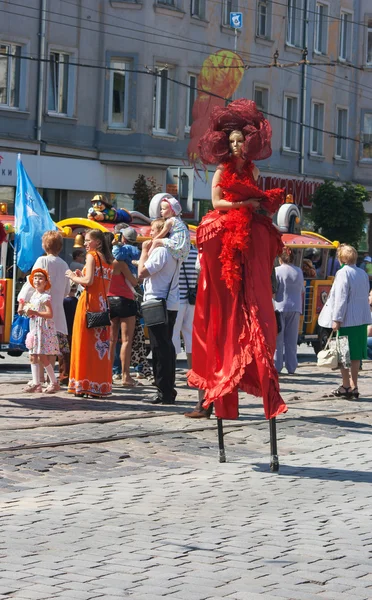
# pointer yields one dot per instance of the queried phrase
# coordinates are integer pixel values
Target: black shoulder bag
(154, 312)
(98, 319)
(191, 291)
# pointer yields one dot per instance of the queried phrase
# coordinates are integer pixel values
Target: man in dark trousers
(160, 272)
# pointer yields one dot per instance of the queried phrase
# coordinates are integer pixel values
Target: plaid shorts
(64, 347)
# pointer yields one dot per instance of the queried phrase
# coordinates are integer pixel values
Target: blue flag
(32, 219)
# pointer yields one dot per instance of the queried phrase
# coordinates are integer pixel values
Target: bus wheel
(323, 335)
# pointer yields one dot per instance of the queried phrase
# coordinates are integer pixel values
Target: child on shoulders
(178, 242)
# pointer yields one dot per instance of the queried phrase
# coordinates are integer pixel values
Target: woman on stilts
(234, 330)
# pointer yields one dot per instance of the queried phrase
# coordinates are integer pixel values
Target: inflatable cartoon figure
(102, 210)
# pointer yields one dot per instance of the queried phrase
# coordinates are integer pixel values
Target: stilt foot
(221, 445)
(222, 456)
(274, 464)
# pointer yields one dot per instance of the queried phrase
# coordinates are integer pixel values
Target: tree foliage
(143, 190)
(338, 212)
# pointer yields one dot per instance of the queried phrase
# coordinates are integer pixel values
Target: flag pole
(14, 280)
(19, 157)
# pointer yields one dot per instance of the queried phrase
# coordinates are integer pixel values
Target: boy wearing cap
(127, 251)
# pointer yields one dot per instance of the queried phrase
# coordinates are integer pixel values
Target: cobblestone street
(117, 498)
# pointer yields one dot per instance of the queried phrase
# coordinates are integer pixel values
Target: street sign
(236, 20)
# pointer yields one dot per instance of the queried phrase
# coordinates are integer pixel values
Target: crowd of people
(87, 356)
(231, 336)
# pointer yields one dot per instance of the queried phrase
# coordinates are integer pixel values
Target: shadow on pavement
(335, 422)
(318, 473)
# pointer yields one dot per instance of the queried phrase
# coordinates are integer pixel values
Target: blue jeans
(116, 369)
(286, 342)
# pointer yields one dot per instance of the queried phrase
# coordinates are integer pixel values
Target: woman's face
(236, 141)
(91, 243)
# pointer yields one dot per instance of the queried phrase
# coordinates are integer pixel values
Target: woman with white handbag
(347, 312)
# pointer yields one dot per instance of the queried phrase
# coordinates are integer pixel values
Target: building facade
(94, 93)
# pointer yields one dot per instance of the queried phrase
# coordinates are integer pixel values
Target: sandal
(342, 392)
(33, 388)
(130, 385)
(52, 388)
(354, 394)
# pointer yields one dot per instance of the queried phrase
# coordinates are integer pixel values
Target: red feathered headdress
(240, 115)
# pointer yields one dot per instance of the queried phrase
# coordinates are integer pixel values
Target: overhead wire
(141, 31)
(186, 85)
(283, 66)
(128, 37)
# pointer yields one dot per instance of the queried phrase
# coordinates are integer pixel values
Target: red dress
(234, 333)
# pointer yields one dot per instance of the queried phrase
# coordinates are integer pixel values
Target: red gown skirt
(234, 335)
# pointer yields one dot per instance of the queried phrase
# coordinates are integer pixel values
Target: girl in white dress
(42, 340)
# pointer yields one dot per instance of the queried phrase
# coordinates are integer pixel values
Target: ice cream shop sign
(301, 189)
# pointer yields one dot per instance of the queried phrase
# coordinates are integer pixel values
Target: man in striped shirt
(185, 316)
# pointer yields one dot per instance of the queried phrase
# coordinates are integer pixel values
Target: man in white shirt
(160, 272)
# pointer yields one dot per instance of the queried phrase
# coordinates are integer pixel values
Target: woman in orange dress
(91, 368)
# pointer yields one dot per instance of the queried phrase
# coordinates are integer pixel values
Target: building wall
(94, 32)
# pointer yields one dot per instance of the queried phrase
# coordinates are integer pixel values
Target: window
(345, 36)
(317, 124)
(341, 129)
(161, 99)
(367, 136)
(58, 82)
(295, 22)
(191, 97)
(168, 2)
(261, 98)
(228, 6)
(197, 8)
(369, 43)
(10, 67)
(118, 94)
(290, 123)
(321, 28)
(263, 18)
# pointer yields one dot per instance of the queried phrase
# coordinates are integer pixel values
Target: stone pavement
(114, 498)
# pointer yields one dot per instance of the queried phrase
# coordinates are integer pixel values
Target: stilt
(221, 445)
(274, 461)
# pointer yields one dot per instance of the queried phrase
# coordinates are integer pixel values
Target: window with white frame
(290, 141)
(58, 82)
(263, 18)
(197, 9)
(345, 35)
(228, 6)
(10, 68)
(191, 97)
(161, 99)
(261, 97)
(317, 128)
(341, 128)
(321, 28)
(369, 42)
(367, 136)
(295, 19)
(118, 94)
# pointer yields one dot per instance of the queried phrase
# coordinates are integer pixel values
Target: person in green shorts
(347, 311)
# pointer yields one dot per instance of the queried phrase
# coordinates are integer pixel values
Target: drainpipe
(40, 87)
(303, 92)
